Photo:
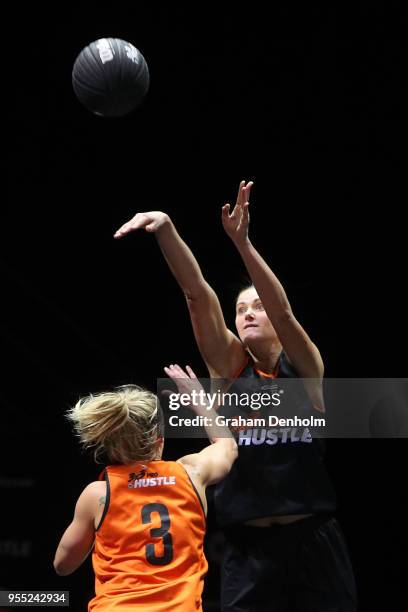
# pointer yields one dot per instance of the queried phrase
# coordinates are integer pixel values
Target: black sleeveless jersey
(279, 471)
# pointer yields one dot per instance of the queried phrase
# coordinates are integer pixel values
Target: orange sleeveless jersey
(148, 551)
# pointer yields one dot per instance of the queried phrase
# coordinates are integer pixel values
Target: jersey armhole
(195, 490)
(105, 510)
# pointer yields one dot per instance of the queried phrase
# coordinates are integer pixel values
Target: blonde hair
(124, 423)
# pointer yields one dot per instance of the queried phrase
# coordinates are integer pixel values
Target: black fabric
(303, 566)
(278, 471)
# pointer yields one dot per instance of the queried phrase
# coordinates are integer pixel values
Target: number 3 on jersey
(158, 532)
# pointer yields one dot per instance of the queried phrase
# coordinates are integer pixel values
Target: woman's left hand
(236, 224)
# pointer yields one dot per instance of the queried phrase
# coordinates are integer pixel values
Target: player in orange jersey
(146, 519)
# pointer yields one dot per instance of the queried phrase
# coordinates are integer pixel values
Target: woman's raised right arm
(220, 348)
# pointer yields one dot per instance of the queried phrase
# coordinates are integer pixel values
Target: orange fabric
(273, 374)
(148, 551)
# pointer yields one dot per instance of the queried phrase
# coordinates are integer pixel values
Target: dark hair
(235, 287)
(243, 287)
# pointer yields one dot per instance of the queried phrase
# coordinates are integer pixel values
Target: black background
(310, 104)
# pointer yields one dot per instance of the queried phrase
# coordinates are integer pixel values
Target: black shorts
(285, 568)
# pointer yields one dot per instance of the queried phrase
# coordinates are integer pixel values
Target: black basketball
(110, 77)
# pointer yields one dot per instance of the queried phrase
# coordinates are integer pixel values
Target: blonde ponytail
(123, 423)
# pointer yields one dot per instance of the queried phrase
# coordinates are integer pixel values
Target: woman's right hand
(150, 221)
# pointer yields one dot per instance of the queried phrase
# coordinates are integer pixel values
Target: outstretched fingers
(122, 231)
(225, 211)
(125, 229)
(245, 214)
(190, 372)
(175, 371)
(247, 191)
(240, 196)
(138, 221)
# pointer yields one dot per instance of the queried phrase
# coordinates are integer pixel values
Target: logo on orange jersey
(148, 479)
(136, 475)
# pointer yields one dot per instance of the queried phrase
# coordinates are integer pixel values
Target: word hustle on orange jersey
(138, 483)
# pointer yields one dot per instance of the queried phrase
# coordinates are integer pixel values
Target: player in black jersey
(285, 550)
